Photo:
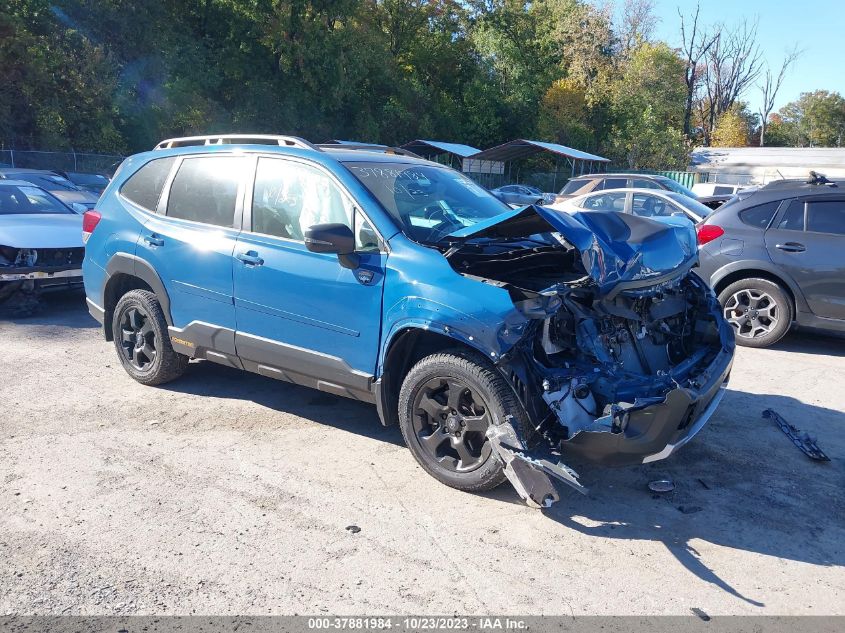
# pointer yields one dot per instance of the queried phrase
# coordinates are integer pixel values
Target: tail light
(90, 219)
(708, 233)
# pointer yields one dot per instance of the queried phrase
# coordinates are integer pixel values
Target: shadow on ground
(64, 308)
(740, 484)
(209, 379)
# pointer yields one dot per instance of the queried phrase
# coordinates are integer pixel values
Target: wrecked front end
(625, 353)
(24, 272)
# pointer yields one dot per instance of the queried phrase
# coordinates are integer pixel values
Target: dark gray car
(776, 257)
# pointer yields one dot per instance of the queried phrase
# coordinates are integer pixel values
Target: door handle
(250, 258)
(154, 240)
(791, 247)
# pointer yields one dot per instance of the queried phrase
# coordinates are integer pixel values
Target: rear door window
(793, 217)
(614, 183)
(642, 183)
(826, 216)
(759, 216)
(206, 190)
(145, 185)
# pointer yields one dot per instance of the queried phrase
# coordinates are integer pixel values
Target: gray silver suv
(777, 256)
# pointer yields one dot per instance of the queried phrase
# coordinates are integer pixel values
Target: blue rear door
(301, 316)
(191, 240)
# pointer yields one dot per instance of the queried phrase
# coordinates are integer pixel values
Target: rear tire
(759, 310)
(142, 341)
(446, 403)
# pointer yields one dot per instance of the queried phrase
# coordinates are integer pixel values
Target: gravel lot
(228, 493)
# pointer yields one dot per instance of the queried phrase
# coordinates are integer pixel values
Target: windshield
(690, 204)
(678, 188)
(16, 200)
(428, 202)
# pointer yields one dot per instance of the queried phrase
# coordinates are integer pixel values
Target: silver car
(648, 203)
(40, 244)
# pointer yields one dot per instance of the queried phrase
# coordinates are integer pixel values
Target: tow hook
(528, 475)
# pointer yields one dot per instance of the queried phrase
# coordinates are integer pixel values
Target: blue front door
(300, 315)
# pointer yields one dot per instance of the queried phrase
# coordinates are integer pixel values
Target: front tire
(759, 310)
(446, 403)
(142, 342)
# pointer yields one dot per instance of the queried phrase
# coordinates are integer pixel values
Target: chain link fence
(61, 161)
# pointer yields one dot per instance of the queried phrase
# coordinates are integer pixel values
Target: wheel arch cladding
(405, 349)
(127, 272)
(757, 273)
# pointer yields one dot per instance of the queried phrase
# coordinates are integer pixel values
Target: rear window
(206, 190)
(22, 200)
(722, 191)
(574, 186)
(144, 187)
(759, 216)
(826, 216)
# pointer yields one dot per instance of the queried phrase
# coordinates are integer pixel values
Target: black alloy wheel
(450, 424)
(138, 339)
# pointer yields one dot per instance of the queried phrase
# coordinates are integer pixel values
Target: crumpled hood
(617, 250)
(48, 230)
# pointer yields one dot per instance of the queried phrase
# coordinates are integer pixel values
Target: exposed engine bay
(609, 373)
(24, 272)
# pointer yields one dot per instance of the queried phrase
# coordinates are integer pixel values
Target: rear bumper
(96, 311)
(653, 432)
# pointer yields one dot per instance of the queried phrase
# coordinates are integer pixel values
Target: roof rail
(369, 147)
(236, 139)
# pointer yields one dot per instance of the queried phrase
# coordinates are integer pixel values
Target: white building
(759, 165)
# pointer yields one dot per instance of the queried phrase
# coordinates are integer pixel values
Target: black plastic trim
(140, 268)
(330, 372)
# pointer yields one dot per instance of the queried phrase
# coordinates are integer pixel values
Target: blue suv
(506, 343)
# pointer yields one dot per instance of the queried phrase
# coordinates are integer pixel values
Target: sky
(815, 26)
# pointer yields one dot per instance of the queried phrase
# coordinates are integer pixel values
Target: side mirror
(333, 238)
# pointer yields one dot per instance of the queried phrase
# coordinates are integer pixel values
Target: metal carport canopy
(424, 147)
(522, 148)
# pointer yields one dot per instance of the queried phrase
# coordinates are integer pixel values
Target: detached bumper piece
(529, 475)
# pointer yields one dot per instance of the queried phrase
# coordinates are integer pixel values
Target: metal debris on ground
(353, 528)
(700, 613)
(661, 485)
(803, 441)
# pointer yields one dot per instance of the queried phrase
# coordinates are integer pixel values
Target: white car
(643, 202)
(706, 189)
(40, 241)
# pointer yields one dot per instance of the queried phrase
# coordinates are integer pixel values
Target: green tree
(734, 127)
(816, 119)
(648, 110)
